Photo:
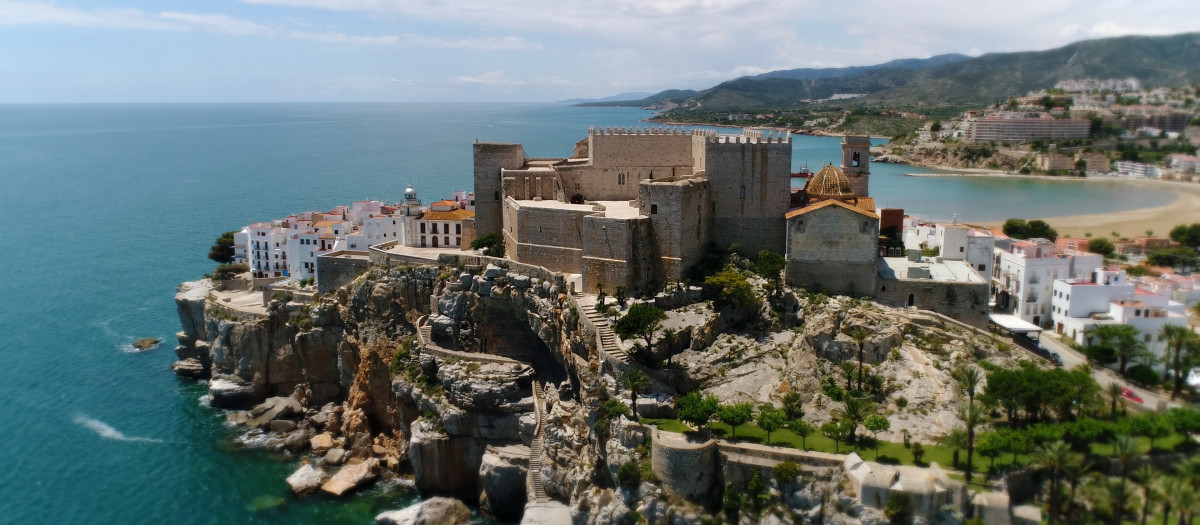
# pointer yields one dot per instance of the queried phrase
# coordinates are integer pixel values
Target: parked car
(1128, 394)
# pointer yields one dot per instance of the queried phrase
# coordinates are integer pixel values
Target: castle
(638, 207)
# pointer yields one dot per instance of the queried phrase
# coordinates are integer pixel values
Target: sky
(504, 50)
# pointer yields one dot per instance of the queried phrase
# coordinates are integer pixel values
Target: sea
(107, 208)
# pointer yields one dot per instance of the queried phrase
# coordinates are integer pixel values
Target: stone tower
(856, 163)
(490, 159)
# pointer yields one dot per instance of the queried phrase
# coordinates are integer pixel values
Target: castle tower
(490, 159)
(856, 163)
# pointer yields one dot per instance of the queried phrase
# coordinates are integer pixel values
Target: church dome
(829, 183)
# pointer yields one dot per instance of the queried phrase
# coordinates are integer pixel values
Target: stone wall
(681, 228)
(546, 236)
(859, 175)
(832, 249)
(686, 469)
(966, 302)
(618, 252)
(336, 269)
(640, 147)
(530, 184)
(490, 158)
(749, 179)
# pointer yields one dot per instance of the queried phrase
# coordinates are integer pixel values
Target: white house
(441, 226)
(1023, 275)
(1107, 297)
(266, 251)
(955, 242)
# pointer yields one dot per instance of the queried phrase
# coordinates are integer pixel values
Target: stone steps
(535, 449)
(608, 339)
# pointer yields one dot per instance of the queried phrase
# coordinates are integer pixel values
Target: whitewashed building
(955, 242)
(266, 251)
(1023, 275)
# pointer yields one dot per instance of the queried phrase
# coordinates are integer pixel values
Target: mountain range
(945, 84)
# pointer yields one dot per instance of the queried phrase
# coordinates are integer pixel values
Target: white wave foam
(253, 439)
(106, 431)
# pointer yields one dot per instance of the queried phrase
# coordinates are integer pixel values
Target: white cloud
(217, 23)
(331, 36)
(490, 78)
(510, 43)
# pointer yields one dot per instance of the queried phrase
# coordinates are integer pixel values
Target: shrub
(629, 475)
(918, 451)
(282, 296)
(1142, 375)
(612, 408)
(786, 472)
(492, 244)
(229, 271)
(898, 508)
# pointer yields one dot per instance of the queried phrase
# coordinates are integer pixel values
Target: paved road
(1150, 400)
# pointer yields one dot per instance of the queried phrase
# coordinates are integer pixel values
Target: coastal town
(593, 338)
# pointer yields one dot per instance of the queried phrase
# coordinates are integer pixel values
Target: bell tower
(856, 162)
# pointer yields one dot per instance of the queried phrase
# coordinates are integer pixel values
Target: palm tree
(1114, 393)
(972, 415)
(969, 378)
(1147, 476)
(848, 372)
(1111, 493)
(635, 380)
(853, 412)
(860, 335)
(1178, 338)
(1189, 471)
(955, 440)
(1185, 503)
(1053, 457)
(1125, 448)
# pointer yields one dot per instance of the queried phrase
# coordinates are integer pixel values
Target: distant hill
(628, 95)
(951, 83)
(645, 102)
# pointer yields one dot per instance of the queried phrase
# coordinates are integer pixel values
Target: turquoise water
(107, 207)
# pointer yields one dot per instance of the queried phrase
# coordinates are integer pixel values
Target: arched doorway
(577, 199)
(912, 300)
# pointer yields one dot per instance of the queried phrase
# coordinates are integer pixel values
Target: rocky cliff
(433, 373)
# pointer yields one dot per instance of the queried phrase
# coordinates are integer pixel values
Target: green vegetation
(1019, 229)
(732, 289)
(492, 244)
(1102, 246)
(642, 320)
(222, 250)
(229, 271)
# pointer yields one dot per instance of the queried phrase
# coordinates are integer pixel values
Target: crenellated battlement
(752, 136)
(641, 130)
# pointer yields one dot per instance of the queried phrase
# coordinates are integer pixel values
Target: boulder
(306, 479)
(273, 408)
(433, 511)
(282, 425)
(493, 271)
(502, 482)
(321, 443)
(297, 440)
(146, 343)
(336, 456)
(351, 477)
(227, 393)
(190, 367)
(520, 282)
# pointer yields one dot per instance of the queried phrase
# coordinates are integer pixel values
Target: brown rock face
(351, 477)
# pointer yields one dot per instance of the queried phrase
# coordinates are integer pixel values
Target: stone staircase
(535, 449)
(608, 338)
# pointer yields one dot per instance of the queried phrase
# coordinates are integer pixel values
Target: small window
(743, 192)
(961, 249)
(497, 195)
(458, 229)
(422, 227)
(653, 209)
(981, 268)
(854, 163)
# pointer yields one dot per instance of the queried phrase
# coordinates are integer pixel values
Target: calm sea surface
(107, 207)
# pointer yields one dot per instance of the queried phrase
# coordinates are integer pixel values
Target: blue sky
(502, 50)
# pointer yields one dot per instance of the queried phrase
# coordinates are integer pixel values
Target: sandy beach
(1129, 223)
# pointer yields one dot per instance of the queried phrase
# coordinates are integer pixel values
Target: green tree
(803, 429)
(860, 335)
(1146, 477)
(770, 266)
(1019, 229)
(837, 431)
(222, 250)
(955, 440)
(918, 452)
(1124, 341)
(611, 408)
(876, 424)
(695, 409)
(1187, 235)
(1185, 420)
(793, 405)
(853, 411)
(641, 320)
(1180, 257)
(1113, 390)
(1125, 449)
(629, 475)
(732, 289)
(635, 380)
(770, 419)
(968, 378)
(1179, 338)
(492, 244)
(1102, 246)
(972, 416)
(734, 415)
(898, 509)
(991, 445)
(1054, 458)
(1154, 426)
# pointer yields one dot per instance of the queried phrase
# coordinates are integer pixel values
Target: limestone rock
(321, 443)
(274, 408)
(146, 343)
(493, 271)
(282, 425)
(502, 476)
(351, 477)
(297, 440)
(433, 511)
(306, 480)
(227, 393)
(190, 367)
(336, 456)
(519, 282)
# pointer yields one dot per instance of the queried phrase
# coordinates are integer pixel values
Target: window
(653, 209)
(854, 163)
(422, 227)
(743, 192)
(458, 229)
(863, 228)
(981, 267)
(497, 195)
(446, 241)
(961, 249)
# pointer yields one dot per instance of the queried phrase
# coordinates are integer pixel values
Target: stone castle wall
(490, 158)
(551, 237)
(529, 184)
(618, 252)
(686, 469)
(966, 302)
(640, 147)
(676, 209)
(859, 175)
(336, 269)
(749, 179)
(832, 250)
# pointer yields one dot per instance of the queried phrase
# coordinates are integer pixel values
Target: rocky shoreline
(485, 385)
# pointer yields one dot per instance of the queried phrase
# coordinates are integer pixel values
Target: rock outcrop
(351, 477)
(433, 511)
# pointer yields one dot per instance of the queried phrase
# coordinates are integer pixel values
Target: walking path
(535, 449)
(425, 338)
(605, 334)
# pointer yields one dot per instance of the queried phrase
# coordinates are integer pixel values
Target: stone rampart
(336, 269)
(647, 147)
(749, 179)
(686, 468)
(490, 158)
(681, 228)
(965, 302)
